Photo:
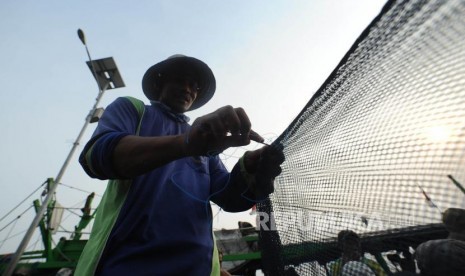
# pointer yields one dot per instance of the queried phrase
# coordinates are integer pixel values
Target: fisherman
(352, 256)
(445, 256)
(155, 216)
(454, 221)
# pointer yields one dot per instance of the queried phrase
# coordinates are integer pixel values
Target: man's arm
(120, 119)
(251, 180)
(231, 191)
(116, 152)
(135, 155)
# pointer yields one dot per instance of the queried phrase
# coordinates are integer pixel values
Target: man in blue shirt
(155, 217)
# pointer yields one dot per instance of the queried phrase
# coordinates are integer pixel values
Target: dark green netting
(378, 147)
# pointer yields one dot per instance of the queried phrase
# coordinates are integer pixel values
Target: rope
(7, 236)
(81, 190)
(8, 213)
(15, 219)
(17, 234)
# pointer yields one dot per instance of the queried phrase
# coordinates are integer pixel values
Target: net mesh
(378, 150)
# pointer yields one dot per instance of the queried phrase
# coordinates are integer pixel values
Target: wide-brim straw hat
(180, 64)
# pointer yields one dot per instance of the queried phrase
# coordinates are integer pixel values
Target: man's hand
(265, 164)
(219, 130)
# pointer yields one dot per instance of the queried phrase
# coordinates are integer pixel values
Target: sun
(438, 133)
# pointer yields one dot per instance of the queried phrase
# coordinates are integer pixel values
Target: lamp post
(108, 77)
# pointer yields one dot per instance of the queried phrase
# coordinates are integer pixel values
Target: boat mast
(107, 76)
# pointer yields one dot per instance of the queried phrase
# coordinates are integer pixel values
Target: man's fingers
(224, 128)
(245, 122)
(235, 141)
(217, 128)
(234, 121)
(273, 154)
(275, 171)
(231, 120)
(263, 187)
(256, 137)
(270, 168)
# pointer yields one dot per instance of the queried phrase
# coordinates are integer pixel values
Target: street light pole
(107, 77)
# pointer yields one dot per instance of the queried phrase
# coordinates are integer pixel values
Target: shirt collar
(179, 117)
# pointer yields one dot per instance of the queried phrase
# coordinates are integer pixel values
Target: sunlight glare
(438, 133)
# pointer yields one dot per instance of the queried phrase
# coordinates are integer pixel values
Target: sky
(268, 57)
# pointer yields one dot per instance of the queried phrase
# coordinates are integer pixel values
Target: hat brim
(206, 79)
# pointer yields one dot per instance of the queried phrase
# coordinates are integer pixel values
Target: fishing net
(377, 156)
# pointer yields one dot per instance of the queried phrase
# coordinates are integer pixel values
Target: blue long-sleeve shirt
(164, 224)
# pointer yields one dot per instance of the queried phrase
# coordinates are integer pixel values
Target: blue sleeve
(229, 190)
(119, 120)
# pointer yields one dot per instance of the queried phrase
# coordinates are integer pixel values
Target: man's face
(179, 92)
